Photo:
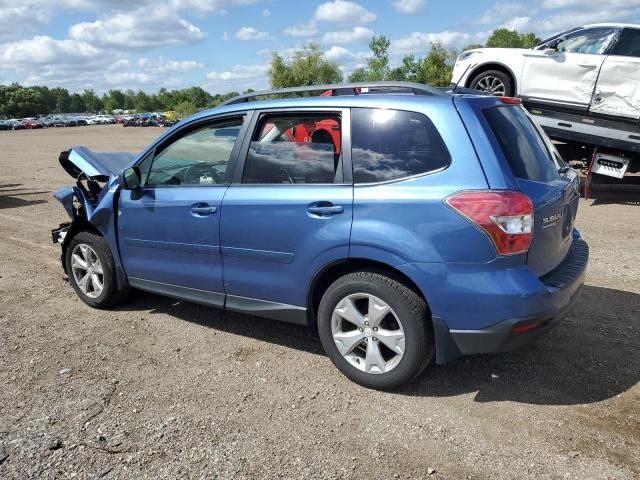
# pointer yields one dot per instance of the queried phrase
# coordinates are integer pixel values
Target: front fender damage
(90, 209)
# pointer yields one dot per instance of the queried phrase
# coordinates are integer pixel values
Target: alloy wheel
(368, 333)
(492, 85)
(87, 270)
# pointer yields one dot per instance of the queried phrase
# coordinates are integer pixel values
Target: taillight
(506, 217)
(511, 100)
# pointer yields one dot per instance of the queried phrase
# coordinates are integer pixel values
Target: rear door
(289, 210)
(543, 177)
(618, 89)
(567, 75)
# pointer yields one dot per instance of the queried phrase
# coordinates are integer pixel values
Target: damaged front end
(91, 204)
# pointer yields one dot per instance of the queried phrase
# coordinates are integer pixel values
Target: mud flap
(446, 349)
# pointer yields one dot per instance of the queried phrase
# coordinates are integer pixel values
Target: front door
(169, 230)
(568, 74)
(288, 212)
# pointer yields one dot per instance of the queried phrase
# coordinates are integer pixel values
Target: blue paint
(268, 242)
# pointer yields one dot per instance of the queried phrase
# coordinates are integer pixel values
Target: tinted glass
(591, 40)
(523, 146)
(295, 149)
(392, 144)
(628, 44)
(200, 157)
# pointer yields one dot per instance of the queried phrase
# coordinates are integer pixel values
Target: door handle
(326, 211)
(203, 210)
(587, 65)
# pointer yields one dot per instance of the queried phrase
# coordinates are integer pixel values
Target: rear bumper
(565, 282)
(510, 334)
(497, 307)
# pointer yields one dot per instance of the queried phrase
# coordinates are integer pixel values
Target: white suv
(594, 67)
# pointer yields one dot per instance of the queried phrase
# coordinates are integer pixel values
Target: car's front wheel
(91, 270)
(494, 82)
(375, 330)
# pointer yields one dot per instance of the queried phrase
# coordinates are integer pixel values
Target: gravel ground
(164, 389)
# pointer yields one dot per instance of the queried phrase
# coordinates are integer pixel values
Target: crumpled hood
(98, 165)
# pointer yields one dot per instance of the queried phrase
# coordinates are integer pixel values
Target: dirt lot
(165, 389)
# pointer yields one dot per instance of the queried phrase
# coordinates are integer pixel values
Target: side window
(199, 157)
(590, 40)
(298, 148)
(393, 144)
(628, 44)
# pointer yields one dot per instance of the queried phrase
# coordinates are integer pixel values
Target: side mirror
(550, 51)
(131, 178)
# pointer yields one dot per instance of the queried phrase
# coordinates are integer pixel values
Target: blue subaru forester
(404, 223)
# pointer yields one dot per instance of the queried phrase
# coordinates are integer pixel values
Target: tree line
(17, 101)
(307, 66)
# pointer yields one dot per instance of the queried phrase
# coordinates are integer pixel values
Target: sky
(226, 45)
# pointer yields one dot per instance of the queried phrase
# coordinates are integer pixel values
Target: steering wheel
(201, 174)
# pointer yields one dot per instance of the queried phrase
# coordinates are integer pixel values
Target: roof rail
(345, 89)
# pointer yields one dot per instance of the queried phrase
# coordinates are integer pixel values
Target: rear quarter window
(393, 144)
(522, 145)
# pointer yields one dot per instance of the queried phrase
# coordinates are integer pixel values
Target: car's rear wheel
(375, 330)
(91, 270)
(494, 82)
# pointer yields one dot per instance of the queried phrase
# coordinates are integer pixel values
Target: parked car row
(147, 120)
(132, 120)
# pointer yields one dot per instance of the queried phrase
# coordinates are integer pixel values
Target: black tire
(410, 309)
(110, 294)
(509, 90)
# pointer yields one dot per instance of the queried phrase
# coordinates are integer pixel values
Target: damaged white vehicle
(594, 68)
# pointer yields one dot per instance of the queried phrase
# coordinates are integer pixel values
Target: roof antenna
(453, 90)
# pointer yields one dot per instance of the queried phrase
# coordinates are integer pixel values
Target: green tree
(17, 101)
(184, 109)
(77, 104)
(307, 67)
(129, 100)
(63, 99)
(472, 46)
(530, 40)
(378, 64)
(437, 67)
(505, 38)
(91, 101)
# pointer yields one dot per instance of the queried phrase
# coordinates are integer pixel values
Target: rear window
(522, 145)
(392, 144)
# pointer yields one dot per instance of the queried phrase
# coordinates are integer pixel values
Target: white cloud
(138, 29)
(46, 51)
(240, 72)
(16, 16)
(239, 78)
(582, 5)
(410, 6)
(500, 12)
(420, 42)
(357, 34)
(341, 55)
(162, 65)
(266, 12)
(308, 29)
(247, 34)
(342, 11)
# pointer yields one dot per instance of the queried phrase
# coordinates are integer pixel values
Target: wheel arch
(334, 270)
(78, 225)
(485, 67)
